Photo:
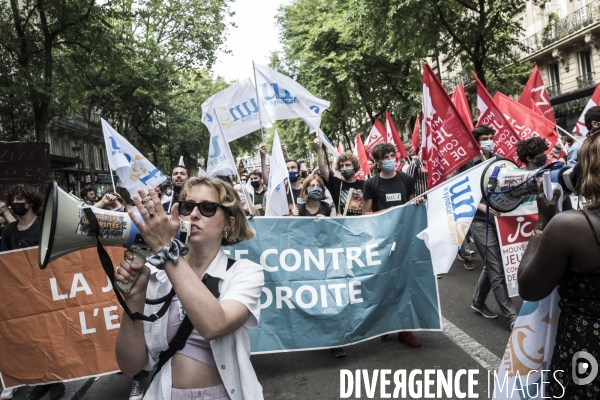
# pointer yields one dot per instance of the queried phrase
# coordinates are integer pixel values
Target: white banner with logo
(284, 98)
(134, 170)
(528, 353)
(514, 231)
(450, 210)
(237, 109)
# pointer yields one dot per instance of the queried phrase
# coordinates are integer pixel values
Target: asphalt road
(316, 374)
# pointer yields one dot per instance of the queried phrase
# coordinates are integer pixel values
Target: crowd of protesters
(320, 192)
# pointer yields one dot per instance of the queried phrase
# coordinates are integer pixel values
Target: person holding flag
(347, 190)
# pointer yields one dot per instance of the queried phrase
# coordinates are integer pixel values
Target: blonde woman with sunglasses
(215, 361)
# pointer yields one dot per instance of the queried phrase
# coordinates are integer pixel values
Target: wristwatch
(536, 233)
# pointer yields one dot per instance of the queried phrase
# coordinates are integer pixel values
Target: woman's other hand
(126, 273)
(547, 209)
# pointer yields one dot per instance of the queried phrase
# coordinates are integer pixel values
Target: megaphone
(504, 185)
(66, 228)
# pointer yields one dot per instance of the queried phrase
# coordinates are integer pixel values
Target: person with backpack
(388, 189)
(26, 203)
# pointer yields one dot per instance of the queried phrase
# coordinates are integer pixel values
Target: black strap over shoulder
(375, 193)
(186, 327)
(592, 227)
(107, 265)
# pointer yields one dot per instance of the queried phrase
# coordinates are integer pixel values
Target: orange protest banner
(56, 324)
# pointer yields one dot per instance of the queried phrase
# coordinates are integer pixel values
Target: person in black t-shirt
(26, 203)
(388, 189)
(348, 166)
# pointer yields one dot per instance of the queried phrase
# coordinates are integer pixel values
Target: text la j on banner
(59, 323)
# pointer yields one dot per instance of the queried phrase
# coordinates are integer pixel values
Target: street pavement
(469, 341)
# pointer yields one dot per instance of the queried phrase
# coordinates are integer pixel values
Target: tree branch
(455, 37)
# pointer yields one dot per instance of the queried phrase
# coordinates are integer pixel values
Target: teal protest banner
(335, 281)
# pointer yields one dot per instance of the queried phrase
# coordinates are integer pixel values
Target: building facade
(563, 38)
(78, 155)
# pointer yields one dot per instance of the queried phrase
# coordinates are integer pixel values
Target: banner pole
(451, 179)
(237, 173)
(262, 131)
(567, 133)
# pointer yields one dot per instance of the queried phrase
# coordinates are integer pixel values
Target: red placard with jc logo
(514, 231)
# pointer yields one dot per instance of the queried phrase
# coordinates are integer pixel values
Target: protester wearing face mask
(259, 197)
(26, 203)
(313, 195)
(348, 166)
(532, 153)
(293, 168)
(389, 188)
(484, 233)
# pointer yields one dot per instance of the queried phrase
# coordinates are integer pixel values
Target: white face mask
(486, 145)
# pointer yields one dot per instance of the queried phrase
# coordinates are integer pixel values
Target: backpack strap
(591, 226)
(185, 329)
(375, 192)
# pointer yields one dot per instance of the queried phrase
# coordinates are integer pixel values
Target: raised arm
(321, 159)
(263, 163)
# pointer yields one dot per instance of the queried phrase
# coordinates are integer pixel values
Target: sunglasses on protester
(206, 208)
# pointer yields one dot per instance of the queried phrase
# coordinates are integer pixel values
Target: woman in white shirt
(215, 362)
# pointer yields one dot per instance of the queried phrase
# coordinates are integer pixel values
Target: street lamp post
(77, 149)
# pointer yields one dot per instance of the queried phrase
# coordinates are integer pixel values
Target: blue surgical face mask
(388, 165)
(293, 176)
(315, 193)
(487, 146)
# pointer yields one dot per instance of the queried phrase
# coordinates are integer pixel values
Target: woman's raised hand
(157, 229)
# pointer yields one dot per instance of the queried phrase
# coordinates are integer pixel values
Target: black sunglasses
(206, 208)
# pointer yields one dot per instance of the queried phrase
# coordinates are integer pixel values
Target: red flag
(448, 142)
(416, 139)
(535, 108)
(525, 122)
(361, 154)
(459, 99)
(393, 137)
(340, 149)
(377, 135)
(594, 101)
(536, 90)
(505, 138)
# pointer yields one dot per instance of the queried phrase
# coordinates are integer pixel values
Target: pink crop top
(196, 346)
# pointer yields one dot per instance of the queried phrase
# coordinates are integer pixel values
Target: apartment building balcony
(452, 83)
(586, 81)
(574, 25)
(554, 90)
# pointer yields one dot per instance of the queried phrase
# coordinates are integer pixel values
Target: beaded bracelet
(168, 253)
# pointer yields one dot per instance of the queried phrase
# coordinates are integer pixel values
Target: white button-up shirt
(243, 282)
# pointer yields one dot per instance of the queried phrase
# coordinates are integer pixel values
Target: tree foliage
(366, 56)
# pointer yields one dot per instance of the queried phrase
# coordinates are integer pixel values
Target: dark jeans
(492, 276)
(465, 250)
